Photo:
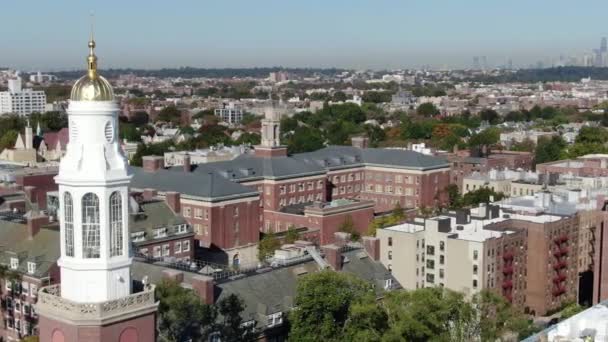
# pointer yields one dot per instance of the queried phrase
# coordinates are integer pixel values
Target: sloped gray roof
(152, 215)
(274, 291)
(336, 157)
(43, 249)
(207, 186)
(247, 167)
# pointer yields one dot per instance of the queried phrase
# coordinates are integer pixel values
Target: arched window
(90, 226)
(68, 220)
(115, 224)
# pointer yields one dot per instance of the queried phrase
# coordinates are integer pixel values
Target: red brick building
(465, 163)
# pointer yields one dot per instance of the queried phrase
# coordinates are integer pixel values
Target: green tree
(348, 226)
(304, 139)
(8, 139)
(250, 119)
(487, 137)
(454, 198)
(427, 109)
(377, 96)
(428, 314)
(248, 138)
(549, 149)
(231, 327)
(490, 116)
(339, 96)
(323, 302)
(170, 114)
(129, 131)
(140, 118)
(398, 213)
(571, 310)
(592, 135)
(481, 195)
(291, 235)
(527, 145)
(267, 245)
(181, 315)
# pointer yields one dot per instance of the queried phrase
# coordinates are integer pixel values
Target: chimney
(187, 165)
(372, 247)
(149, 194)
(333, 256)
(173, 201)
(173, 275)
(204, 288)
(30, 193)
(153, 163)
(360, 142)
(34, 223)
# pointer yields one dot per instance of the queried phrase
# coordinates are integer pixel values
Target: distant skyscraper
(484, 62)
(476, 63)
(604, 45)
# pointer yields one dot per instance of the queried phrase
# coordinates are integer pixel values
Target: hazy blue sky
(344, 33)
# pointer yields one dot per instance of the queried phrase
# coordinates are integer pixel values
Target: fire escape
(507, 271)
(560, 254)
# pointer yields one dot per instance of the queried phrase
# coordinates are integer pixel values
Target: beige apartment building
(487, 248)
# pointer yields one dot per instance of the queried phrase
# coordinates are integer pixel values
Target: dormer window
(181, 229)
(138, 237)
(275, 319)
(31, 267)
(160, 233)
(14, 263)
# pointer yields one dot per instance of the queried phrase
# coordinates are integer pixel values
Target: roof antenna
(92, 19)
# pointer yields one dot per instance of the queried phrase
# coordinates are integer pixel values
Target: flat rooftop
(474, 230)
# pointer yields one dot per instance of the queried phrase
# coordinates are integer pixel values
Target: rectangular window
(198, 213)
(178, 247)
(441, 246)
(430, 264)
(390, 255)
(236, 211)
(186, 211)
(14, 263)
(430, 250)
(160, 233)
(475, 254)
(166, 250)
(157, 252)
(475, 268)
(441, 273)
(31, 267)
(430, 278)
(275, 319)
(474, 283)
(441, 260)
(186, 246)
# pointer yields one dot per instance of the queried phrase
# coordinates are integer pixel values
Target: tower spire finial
(92, 59)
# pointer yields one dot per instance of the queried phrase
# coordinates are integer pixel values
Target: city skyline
(356, 34)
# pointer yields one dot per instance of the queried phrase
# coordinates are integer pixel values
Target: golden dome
(92, 86)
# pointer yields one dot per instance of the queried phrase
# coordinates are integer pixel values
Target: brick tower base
(129, 319)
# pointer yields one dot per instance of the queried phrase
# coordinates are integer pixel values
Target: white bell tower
(93, 184)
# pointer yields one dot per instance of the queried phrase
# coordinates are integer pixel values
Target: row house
(28, 261)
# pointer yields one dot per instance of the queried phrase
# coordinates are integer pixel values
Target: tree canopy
(341, 307)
